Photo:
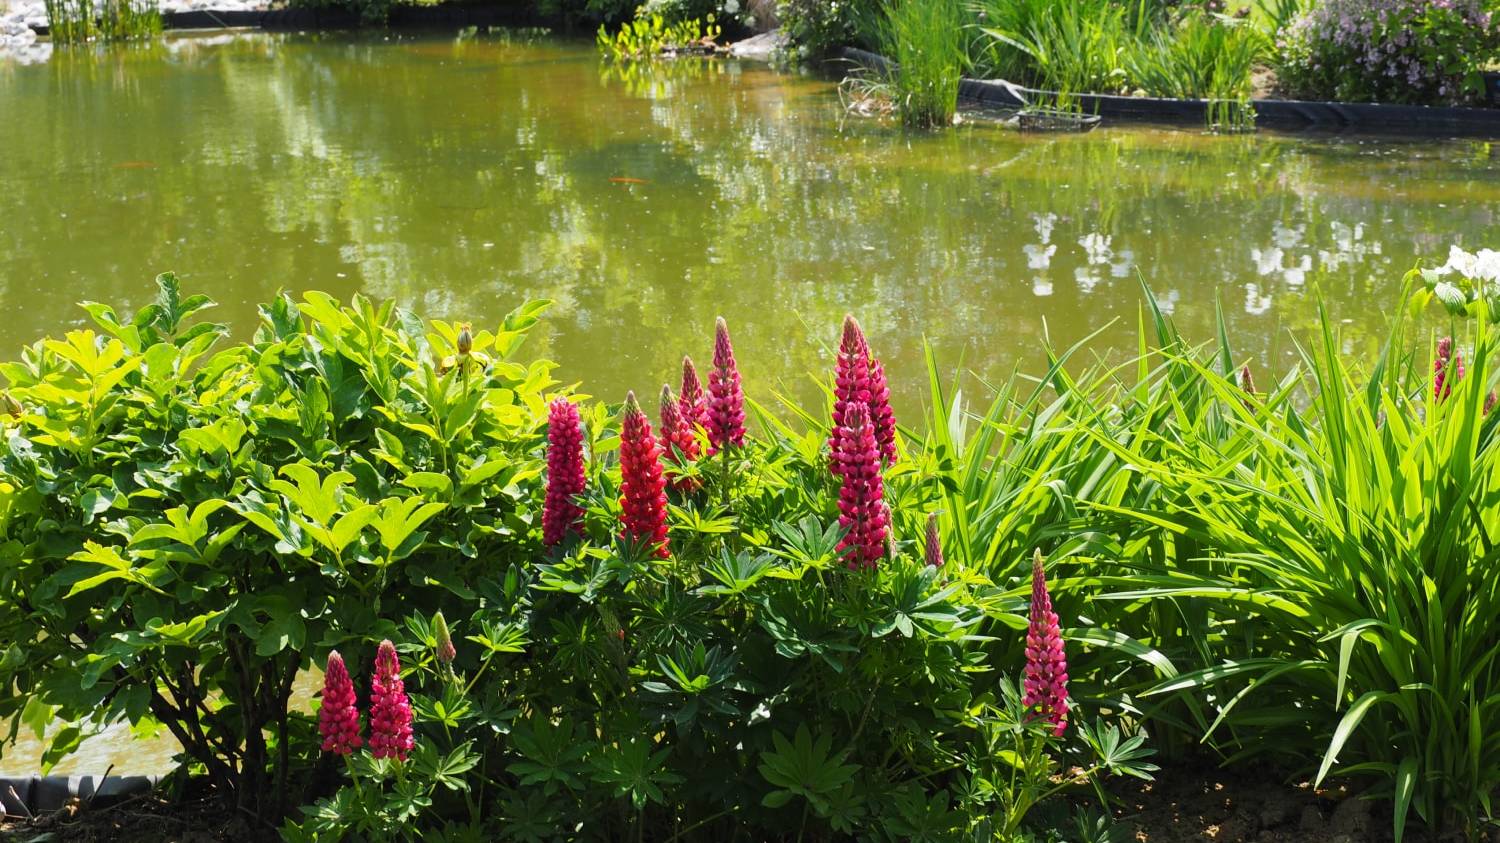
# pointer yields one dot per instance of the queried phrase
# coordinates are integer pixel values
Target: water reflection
(461, 175)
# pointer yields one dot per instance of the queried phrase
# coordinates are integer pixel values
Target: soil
(1201, 803)
(1187, 803)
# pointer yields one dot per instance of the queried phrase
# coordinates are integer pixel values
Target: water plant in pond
(78, 21)
(924, 39)
(650, 35)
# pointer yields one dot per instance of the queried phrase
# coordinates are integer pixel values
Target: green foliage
(78, 21)
(650, 35)
(183, 528)
(925, 40)
(1201, 58)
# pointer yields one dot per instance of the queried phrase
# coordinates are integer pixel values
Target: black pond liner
(1279, 114)
(22, 797)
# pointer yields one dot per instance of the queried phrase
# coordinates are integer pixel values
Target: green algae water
(463, 175)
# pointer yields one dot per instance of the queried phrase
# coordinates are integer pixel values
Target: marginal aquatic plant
(338, 714)
(1046, 685)
(643, 498)
(862, 509)
(390, 710)
(561, 513)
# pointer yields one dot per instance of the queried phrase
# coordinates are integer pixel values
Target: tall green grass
(1307, 576)
(926, 41)
(79, 21)
(1201, 58)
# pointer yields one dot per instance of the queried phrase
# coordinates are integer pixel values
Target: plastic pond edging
(30, 795)
(1280, 114)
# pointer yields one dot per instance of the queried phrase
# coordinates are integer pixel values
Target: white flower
(732, 7)
(1458, 261)
(1487, 265)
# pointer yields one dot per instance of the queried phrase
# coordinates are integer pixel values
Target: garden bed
(1280, 114)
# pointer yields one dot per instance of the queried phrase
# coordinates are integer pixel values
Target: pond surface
(462, 175)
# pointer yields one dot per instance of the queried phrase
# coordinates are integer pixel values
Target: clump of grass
(78, 21)
(925, 39)
(1202, 58)
(1067, 48)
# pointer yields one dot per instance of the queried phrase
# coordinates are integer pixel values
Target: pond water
(462, 175)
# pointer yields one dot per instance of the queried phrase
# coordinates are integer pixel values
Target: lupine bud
(643, 497)
(1247, 383)
(565, 477)
(694, 403)
(465, 339)
(1447, 369)
(862, 509)
(390, 710)
(934, 543)
(445, 651)
(726, 400)
(338, 715)
(1046, 684)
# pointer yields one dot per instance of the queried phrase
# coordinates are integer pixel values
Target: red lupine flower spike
(338, 715)
(678, 440)
(934, 543)
(862, 510)
(881, 414)
(643, 497)
(390, 710)
(561, 513)
(1046, 683)
(726, 400)
(694, 402)
(851, 381)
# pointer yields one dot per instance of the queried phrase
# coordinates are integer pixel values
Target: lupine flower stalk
(445, 651)
(862, 509)
(859, 377)
(694, 402)
(643, 497)
(934, 542)
(338, 716)
(851, 383)
(1046, 683)
(1447, 369)
(1247, 381)
(390, 710)
(678, 439)
(726, 400)
(565, 478)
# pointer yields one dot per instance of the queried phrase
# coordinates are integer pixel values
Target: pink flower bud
(934, 543)
(1046, 684)
(726, 400)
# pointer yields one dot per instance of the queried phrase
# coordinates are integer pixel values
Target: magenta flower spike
(859, 377)
(679, 443)
(390, 710)
(934, 543)
(726, 400)
(565, 476)
(1447, 369)
(643, 497)
(862, 510)
(1046, 684)
(694, 402)
(338, 715)
(851, 382)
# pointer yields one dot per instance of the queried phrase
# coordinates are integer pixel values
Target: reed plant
(1204, 57)
(925, 39)
(79, 21)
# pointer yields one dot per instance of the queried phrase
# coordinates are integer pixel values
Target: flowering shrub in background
(1395, 51)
